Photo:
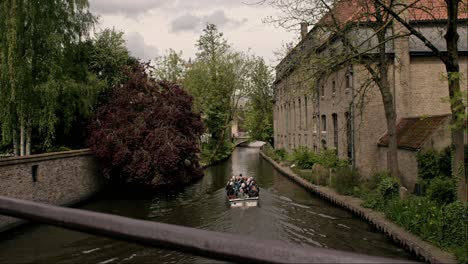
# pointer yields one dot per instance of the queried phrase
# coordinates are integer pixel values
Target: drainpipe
(353, 151)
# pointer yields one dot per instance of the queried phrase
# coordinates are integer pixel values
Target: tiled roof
(419, 10)
(425, 10)
(413, 132)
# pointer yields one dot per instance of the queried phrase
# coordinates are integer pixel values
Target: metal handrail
(214, 245)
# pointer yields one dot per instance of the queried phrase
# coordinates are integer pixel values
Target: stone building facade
(345, 111)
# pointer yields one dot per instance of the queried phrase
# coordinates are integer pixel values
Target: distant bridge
(240, 137)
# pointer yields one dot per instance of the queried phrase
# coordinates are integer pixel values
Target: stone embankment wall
(62, 178)
(412, 243)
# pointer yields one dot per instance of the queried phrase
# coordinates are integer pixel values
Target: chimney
(304, 29)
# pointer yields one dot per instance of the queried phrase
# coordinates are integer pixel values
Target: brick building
(345, 112)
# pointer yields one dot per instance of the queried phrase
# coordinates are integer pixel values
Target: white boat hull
(244, 202)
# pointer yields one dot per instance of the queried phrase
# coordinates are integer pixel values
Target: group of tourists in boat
(240, 187)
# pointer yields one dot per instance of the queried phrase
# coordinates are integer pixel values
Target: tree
(170, 67)
(217, 80)
(259, 113)
(33, 39)
(147, 133)
(109, 56)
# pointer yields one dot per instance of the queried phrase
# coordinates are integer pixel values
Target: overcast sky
(153, 26)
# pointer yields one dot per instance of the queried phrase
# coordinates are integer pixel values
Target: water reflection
(286, 212)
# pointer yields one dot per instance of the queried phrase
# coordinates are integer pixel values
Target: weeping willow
(34, 36)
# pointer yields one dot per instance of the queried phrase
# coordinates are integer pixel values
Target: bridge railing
(210, 244)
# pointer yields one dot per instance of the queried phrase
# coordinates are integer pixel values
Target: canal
(286, 212)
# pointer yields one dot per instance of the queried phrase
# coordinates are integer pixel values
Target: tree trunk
(456, 101)
(22, 138)
(15, 142)
(28, 138)
(389, 107)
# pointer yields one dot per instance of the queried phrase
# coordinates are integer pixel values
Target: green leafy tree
(217, 79)
(259, 112)
(170, 67)
(109, 55)
(34, 37)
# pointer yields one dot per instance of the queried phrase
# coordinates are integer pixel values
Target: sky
(153, 26)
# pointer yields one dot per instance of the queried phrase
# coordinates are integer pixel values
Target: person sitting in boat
(231, 194)
(242, 194)
(254, 191)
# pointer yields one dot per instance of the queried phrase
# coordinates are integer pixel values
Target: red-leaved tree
(146, 133)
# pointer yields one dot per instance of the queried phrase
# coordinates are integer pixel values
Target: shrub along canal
(286, 212)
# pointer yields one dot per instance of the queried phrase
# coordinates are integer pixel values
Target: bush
(445, 162)
(281, 154)
(329, 159)
(443, 225)
(433, 164)
(276, 154)
(379, 190)
(147, 133)
(442, 190)
(373, 182)
(303, 157)
(455, 230)
(428, 165)
(346, 181)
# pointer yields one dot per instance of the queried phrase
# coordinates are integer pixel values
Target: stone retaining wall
(62, 178)
(412, 243)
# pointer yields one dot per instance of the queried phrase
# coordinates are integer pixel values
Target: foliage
(428, 165)
(34, 38)
(303, 157)
(217, 79)
(329, 159)
(444, 225)
(147, 133)
(259, 113)
(281, 153)
(346, 181)
(379, 189)
(442, 190)
(109, 55)
(170, 67)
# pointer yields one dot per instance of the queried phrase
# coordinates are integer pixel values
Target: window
(314, 124)
(349, 82)
(306, 114)
(333, 88)
(293, 112)
(349, 138)
(34, 172)
(300, 115)
(335, 132)
(324, 123)
(322, 90)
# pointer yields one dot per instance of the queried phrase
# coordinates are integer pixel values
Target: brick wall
(61, 178)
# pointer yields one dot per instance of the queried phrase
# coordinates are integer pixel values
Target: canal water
(286, 212)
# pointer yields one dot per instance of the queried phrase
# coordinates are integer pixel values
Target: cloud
(125, 7)
(136, 45)
(132, 8)
(190, 22)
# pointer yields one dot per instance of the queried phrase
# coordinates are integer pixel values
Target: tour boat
(244, 202)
